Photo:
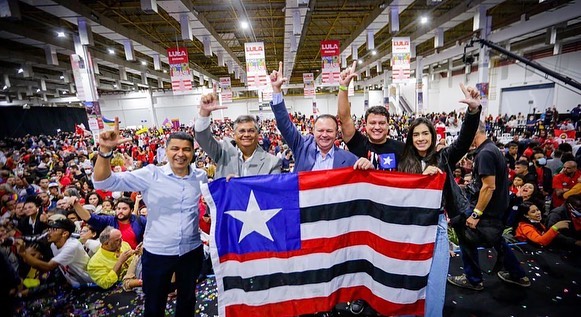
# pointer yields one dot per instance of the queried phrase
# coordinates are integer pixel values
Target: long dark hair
(411, 159)
(523, 210)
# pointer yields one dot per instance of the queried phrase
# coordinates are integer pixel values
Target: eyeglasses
(244, 131)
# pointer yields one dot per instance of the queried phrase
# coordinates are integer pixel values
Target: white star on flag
(253, 219)
(387, 161)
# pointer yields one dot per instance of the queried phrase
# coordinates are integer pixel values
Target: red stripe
(341, 176)
(322, 304)
(391, 249)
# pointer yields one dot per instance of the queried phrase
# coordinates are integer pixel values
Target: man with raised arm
(172, 240)
(241, 156)
(383, 152)
(311, 152)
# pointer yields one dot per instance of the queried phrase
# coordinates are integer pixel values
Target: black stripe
(390, 214)
(264, 282)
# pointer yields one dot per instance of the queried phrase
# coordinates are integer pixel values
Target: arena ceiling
(290, 29)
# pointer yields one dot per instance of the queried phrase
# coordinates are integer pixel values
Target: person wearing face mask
(530, 228)
(543, 174)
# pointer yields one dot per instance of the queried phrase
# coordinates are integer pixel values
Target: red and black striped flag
(294, 244)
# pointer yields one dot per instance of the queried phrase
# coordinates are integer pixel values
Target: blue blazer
(304, 147)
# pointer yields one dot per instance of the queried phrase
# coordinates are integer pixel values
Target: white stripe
(392, 196)
(284, 293)
(317, 261)
(388, 231)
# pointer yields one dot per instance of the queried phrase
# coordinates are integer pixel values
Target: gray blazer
(226, 154)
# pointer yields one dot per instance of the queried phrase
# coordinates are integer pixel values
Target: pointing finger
(116, 126)
(353, 66)
(280, 68)
(464, 90)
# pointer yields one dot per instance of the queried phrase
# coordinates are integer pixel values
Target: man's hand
(125, 255)
(471, 222)
(209, 103)
(72, 200)
(109, 140)
(347, 75)
(277, 79)
(363, 164)
(471, 97)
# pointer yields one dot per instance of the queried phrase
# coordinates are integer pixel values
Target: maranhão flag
(300, 243)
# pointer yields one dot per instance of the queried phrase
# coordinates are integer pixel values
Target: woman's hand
(431, 170)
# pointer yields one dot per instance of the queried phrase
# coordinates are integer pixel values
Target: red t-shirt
(562, 181)
(128, 234)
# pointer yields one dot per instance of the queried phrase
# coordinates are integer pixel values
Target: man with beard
(383, 152)
(132, 227)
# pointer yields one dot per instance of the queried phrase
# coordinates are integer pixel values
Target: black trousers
(157, 272)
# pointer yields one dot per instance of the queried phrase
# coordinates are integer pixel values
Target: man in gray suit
(239, 157)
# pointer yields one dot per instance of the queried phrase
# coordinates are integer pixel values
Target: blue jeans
(472, 266)
(156, 273)
(436, 289)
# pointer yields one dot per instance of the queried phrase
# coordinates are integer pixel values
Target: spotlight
(60, 34)
(359, 61)
(111, 51)
(143, 63)
(244, 25)
(424, 20)
(374, 52)
(20, 70)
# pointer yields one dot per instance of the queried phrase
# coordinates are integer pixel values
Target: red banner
(177, 55)
(330, 48)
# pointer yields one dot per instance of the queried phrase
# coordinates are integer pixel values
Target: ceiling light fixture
(359, 61)
(244, 25)
(165, 71)
(374, 52)
(4, 87)
(60, 34)
(111, 51)
(38, 90)
(20, 70)
(424, 20)
(143, 63)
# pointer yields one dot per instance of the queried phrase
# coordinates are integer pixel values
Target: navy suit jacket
(304, 147)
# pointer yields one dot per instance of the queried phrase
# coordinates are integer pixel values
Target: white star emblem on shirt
(387, 161)
(253, 219)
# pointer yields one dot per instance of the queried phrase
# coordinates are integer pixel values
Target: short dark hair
(126, 200)
(180, 135)
(328, 116)
(511, 144)
(378, 110)
(522, 162)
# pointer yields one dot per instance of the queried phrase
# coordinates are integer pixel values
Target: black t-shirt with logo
(384, 156)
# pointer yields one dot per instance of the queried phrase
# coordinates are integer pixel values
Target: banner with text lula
(179, 70)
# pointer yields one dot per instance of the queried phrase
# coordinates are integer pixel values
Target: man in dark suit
(311, 152)
(240, 156)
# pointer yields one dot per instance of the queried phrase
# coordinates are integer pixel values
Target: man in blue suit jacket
(311, 152)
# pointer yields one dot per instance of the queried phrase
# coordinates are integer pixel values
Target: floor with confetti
(555, 291)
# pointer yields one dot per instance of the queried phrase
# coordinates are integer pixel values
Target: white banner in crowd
(226, 89)
(179, 70)
(331, 71)
(256, 74)
(309, 82)
(400, 60)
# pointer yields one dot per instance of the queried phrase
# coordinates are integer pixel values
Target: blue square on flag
(261, 214)
(387, 161)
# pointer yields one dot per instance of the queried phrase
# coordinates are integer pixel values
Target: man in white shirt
(69, 254)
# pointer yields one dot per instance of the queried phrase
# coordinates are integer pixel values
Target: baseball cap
(64, 224)
(53, 184)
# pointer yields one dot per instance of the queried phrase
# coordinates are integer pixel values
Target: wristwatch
(475, 215)
(106, 155)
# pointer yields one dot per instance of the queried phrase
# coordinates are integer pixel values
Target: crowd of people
(81, 213)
